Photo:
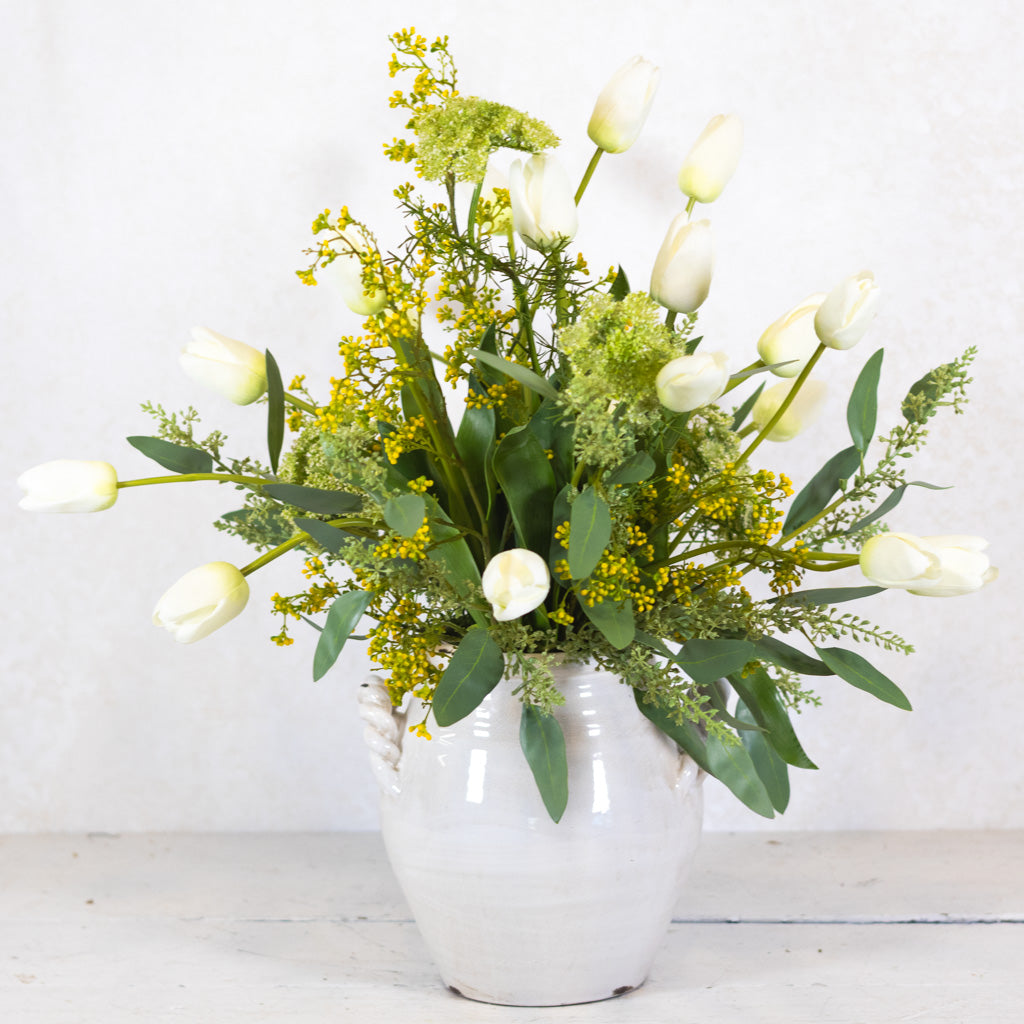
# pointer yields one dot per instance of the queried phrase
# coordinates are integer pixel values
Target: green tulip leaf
(178, 458)
(740, 415)
(771, 769)
(818, 493)
(760, 696)
(862, 410)
(275, 411)
(615, 621)
(620, 286)
(522, 374)
(634, 470)
(528, 481)
(590, 530)
(346, 611)
(405, 513)
(858, 672)
(313, 499)
(473, 671)
(750, 371)
(894, 498)
(543, 743)
(705, 661)
(450, 551)
(475, 444)
(828, 595)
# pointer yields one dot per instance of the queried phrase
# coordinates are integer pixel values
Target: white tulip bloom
(623, 105)
(791, 339)
(682, 271)
(847, 311)
(345, 274)
(689, 382)
(938, 566)
(543, 205)
(515, 582)
(802, 412)
(68, 485)
(713, 159)
(233, 369)
(202, 601)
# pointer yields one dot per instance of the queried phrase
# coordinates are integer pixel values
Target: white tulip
(623, 105)
(938, 566)
(543, 207)
(802, 412)
(233, 369)
(202, 601)
(682, 271)
(791, 339)
(345, 274)
(68, 485)
(713, 159)
(847, 311)
(689, 382)
(515, 582)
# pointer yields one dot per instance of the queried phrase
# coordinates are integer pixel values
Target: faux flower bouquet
(588, 489)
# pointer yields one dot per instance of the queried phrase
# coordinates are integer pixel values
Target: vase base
(480, 997)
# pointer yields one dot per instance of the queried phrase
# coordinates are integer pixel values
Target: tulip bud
(515, 582)
(543, 207)
(202, 601)
(236, 371)
(345, 274)
(682, 271)
(791, 339)
(692, 381)
(802, 412)
(938, 566)
(68, 485)
(847, 311)
(713, 159)
(623, 105)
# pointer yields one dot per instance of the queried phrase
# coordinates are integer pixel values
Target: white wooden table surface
(822, 928)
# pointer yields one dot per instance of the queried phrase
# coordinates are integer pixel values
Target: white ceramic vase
(513, 907)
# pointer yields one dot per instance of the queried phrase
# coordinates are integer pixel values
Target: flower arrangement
(587, 490)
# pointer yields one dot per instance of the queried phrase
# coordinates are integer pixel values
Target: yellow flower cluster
(410, 436)
(400, 645)
(397, 546)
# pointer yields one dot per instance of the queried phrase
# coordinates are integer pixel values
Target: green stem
(848, 563)
(178, 478)
(588, 174)
(670, 319)
(299, 403)
(737, 379)
(269, 556)
(691, 204)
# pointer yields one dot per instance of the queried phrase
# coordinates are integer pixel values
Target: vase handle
(381, 733)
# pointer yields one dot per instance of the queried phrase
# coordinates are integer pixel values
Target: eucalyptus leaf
(862, 410)
(405, 513)
(824, 484)
(522, 374)
(330, 538)
(894, 498)
(634, 470)
(275, 411)
(313, 499)
(760, 696)
(590, 530)
(855, 670)
(740, 415)
(828, 595)
(178, 458)
(543, 743)
(770, 768)
(473, 671)
(704, 661)
(685, 733)
(730, 763)
(346, 611)
(615, 621)
(620, 286)
(770, 648)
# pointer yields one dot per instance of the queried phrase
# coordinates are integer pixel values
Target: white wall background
(161, 166)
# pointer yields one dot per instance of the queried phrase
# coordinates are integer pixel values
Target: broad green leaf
(730, 763)
(475, 442)
(474, 670)
(550, 425)
(522, 374)
(405, 513)
(330, 538)
(615, 621)
(178, 458)
(860, 673)
(770, 768)
(761, 698)
(685, 733)
(543, 743)
(275, 411)
(590, 529)
(312, 499)
(620, 286)
(450, 551)
(704, 661)
(770, 648)
(818, 493)
(740, 415)
(634, 470)
(693, 344)
(345, 613)
(862, 410)
(894, 498)
(829, 595)
(528, 482)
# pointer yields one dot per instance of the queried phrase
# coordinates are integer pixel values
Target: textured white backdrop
(162, 163)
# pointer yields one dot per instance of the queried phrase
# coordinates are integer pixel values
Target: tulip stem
(786, 403)
(588, 174)
(255, 481)
(670, 319)
(269, 556)
(690, 205)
